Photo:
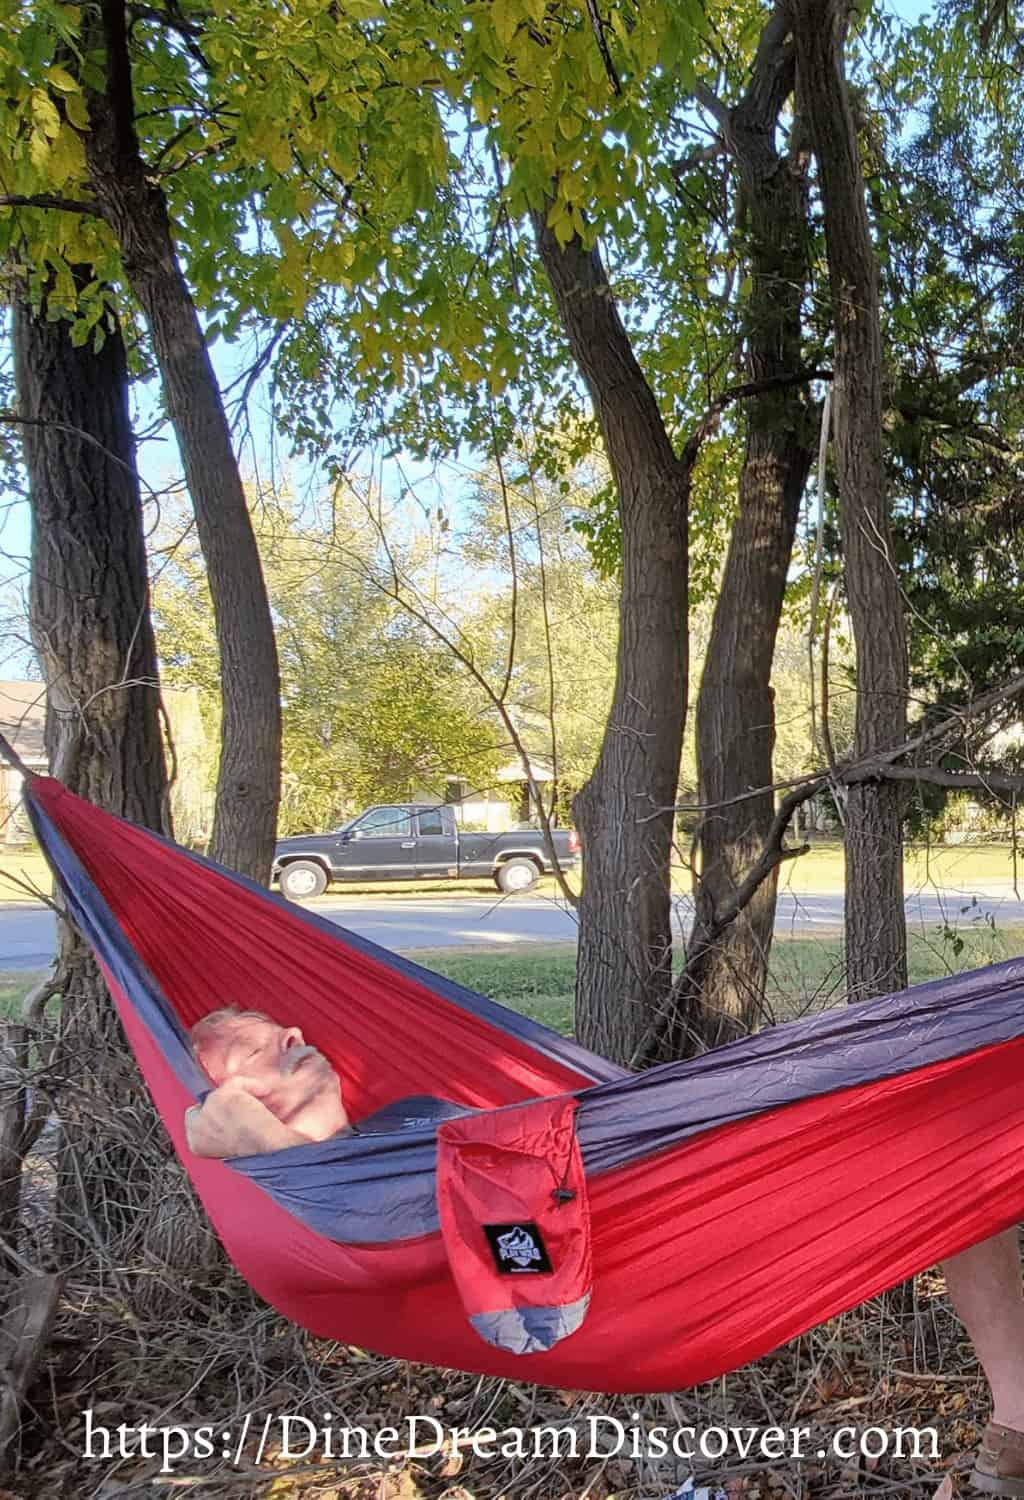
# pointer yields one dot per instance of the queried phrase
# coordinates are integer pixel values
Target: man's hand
(233, 1122)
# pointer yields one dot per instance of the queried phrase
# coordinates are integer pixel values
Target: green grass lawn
(806, 972)
(14, 986)
(950, 866)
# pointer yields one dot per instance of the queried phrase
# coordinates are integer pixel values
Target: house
(503, 805)
(23, 725)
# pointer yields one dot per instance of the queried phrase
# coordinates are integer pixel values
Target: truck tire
(302, 879)
(516, 876)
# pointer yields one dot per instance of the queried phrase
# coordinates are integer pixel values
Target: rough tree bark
(90, 623)
(135, 208)
(89, 593)
(624, 810)
(876, 939)
(735, 716)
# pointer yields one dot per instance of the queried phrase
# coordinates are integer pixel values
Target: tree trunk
(89, 593)
(248, 785)
(90, 623)
(735, 718)
(876, 938)
(625, 810)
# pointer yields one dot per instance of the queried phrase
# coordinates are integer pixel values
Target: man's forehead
(240, 1028)
(244, 1025)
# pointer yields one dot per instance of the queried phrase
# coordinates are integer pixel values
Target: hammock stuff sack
(576, 1225)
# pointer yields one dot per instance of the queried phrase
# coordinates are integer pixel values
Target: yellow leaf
(67, 158)
(61, 80)
(39, 151)
(505, 19)
(44, 112)
(74, 108)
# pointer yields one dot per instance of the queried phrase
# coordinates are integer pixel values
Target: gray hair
(207, 1026)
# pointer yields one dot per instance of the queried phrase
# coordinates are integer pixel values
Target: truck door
(437, 846)
(382, 845)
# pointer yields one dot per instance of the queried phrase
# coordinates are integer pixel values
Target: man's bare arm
(232, 1122)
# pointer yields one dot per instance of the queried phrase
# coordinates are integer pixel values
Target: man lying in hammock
(272, 1090)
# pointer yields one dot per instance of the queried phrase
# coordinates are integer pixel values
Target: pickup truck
(411, 841)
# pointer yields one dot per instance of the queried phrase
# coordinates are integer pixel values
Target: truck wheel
(516, 875)
(302, 879)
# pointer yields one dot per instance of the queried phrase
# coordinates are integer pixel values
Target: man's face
(277, 1066)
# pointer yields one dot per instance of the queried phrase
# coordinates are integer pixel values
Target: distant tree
(372, 709)
(544, 598)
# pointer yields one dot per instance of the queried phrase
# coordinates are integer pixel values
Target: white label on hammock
(518, 1249)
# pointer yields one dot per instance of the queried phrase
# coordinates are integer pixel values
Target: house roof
(23, 719)
(514, 770)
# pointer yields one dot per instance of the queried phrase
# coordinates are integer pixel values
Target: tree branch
(741, 393)
(12, 419)
(652, 1044)
(712, 104)
(50, 200)
(982, 781)
(877, 767)
(602, 46)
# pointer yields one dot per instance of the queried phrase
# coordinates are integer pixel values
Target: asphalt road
(27, 933)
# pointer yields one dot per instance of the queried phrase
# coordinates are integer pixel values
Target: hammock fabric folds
(576, 1226)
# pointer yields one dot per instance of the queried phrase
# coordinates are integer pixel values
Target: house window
(456, 790)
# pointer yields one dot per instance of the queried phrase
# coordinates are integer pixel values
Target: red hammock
(678, 1222)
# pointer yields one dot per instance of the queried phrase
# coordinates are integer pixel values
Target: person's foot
(999, 1467)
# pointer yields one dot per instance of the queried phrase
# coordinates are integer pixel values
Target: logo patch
(518, 1249)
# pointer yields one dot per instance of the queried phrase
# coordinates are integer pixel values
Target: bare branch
(982, 781)
(732, 393)
(712, 104)
(50, 200)
(12, 419)
(499, 465)
(656, 1041)
(602, 46)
